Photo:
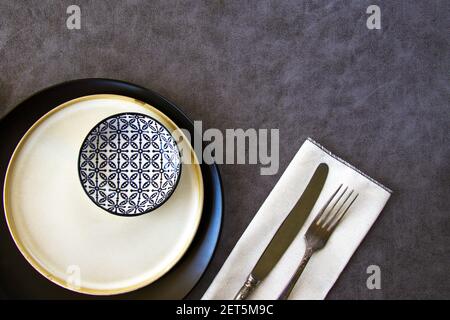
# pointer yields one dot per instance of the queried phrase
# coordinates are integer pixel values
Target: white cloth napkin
(325, 266)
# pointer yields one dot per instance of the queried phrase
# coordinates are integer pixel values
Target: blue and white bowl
(129, 164)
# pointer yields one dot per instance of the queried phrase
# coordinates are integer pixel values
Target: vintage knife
(286, 233)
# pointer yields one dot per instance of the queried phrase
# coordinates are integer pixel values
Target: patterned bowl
(129, 164)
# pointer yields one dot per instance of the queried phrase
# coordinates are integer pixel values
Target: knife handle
(250, 284)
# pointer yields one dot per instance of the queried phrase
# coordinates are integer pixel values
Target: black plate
(19, 280)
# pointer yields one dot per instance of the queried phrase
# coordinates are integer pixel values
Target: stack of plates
(77, 248)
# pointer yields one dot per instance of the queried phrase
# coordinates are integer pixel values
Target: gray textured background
(379, 99)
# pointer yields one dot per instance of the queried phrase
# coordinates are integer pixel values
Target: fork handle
(293, 280)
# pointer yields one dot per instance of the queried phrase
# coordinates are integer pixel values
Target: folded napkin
(325, 266)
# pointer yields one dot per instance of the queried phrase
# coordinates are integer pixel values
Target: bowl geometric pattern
(129, 164)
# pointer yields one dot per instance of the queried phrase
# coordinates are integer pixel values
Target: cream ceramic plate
(65, 235)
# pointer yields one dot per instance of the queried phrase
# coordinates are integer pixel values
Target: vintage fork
(320, 231)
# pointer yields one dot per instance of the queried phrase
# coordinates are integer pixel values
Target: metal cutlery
(286, 233)
(320, 231)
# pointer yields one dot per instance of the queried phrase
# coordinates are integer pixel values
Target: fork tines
(329, 218)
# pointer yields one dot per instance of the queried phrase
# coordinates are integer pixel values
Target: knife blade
(286, 233)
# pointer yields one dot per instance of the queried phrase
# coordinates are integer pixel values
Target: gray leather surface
(377, 98)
